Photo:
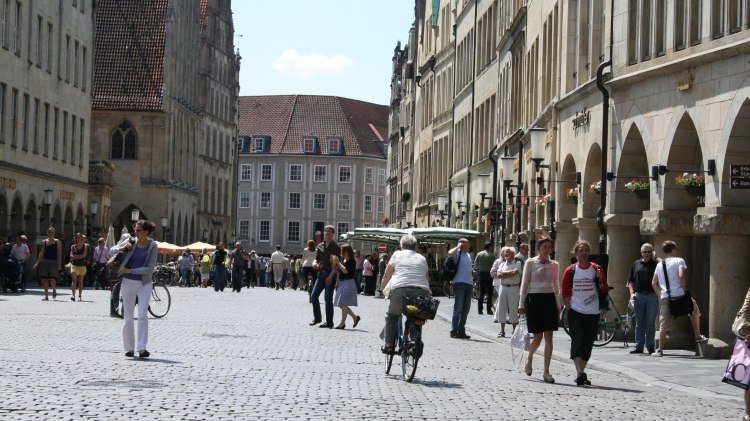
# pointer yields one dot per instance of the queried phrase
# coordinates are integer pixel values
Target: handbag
(681, 305)
(738, 367)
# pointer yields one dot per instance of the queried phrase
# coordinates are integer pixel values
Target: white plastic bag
(519, 343)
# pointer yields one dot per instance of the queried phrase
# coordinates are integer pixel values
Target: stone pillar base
(715, 349)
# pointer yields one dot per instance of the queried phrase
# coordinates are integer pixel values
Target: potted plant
(694, 184)
(639, 186)
(544, 199)
(405, 196)
(596, 187)
(572, 193)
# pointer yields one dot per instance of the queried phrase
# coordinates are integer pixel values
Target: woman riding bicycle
(406, 274)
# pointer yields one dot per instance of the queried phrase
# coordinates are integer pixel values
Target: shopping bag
(519, 343)
(738, 368)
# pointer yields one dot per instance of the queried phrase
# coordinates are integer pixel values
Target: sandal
(388, 350)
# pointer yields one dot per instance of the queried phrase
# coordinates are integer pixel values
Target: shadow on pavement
(157, 360)
(437, 384)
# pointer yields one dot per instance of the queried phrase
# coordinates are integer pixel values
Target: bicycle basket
(420, 307)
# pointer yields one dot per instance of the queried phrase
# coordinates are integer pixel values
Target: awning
(423, 235)
(169, 248)
(199, 246)
(441, 234)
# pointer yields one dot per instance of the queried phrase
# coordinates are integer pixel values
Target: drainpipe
(493, 207)
(605, 137)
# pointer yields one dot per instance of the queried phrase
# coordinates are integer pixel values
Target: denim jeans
(645, 309)
(320, 286)
(461, 306)
(220, 277)
(186, 276)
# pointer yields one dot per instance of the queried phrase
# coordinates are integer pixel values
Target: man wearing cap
(483, 263)
(277, 267)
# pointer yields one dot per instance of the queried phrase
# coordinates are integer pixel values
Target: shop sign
(736, 183)
(67, 195)
(7, 183)
(742, 171)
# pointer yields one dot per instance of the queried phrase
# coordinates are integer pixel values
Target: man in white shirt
(101, 256)
(278, 265)
(675, 269)
(20, 252)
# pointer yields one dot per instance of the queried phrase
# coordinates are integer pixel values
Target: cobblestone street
(252, 355)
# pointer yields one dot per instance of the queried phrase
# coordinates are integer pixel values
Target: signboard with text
(739, 177)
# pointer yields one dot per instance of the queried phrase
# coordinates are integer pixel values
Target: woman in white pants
(506, 278)
(136, 268)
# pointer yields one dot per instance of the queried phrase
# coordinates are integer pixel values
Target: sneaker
(581, 379)
(701, 339)
(650, 351)
(637, 351)
(658, 353)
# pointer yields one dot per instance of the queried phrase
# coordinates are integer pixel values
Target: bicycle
(410, 346)
(611, 322)
(158, 306)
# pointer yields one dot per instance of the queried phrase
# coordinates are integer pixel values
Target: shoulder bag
(681, 305)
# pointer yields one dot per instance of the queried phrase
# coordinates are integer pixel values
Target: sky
(320, 47)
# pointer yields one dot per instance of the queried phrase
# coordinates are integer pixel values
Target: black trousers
(583, 328)
(485, 290)
(250, 277)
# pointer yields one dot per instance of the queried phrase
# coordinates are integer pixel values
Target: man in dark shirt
(325, 281)
(220, 271)
(239, 261)
(645, 301)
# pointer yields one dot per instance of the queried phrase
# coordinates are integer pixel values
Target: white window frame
(289, 238)
(270, 200)
(336, 150)
(341, 169)
(381, 204)
(299, 166)
(260, 231)
(368, 203)
(381, 176)
(289, 200)
(305, 149)
(262, 171)
(246, 172)
(315, 201)
(258, 144)
(340, 227)
(371, 171)
(243, 227)
(315, 173)
(244, 196)
(344, 202)
(367, 225)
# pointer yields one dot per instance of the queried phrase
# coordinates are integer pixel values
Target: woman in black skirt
(541, 302)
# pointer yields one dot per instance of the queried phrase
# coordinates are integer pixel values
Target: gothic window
(124, 142)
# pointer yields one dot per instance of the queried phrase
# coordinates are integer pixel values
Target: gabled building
(307, 161)
(163, 95)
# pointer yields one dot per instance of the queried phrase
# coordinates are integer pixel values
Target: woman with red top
(581, 285)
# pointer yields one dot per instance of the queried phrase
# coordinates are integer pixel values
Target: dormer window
(258, 144)
(335, 146)
(309, 144)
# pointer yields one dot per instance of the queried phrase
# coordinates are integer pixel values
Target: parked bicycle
(611, 323)
(417, 311)
(158, 306)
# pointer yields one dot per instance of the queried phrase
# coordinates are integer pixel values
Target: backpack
(450, 268)
(603, 304)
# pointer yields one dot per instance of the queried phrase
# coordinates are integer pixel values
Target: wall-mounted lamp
(538, 137)
(135, 215)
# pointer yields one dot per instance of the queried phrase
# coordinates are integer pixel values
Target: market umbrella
(169, 248)
(110, 240)
(199, 246)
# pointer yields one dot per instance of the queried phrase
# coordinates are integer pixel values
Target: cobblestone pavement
(252, 355)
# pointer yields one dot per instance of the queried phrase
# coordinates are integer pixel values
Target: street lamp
(484, 182)
(458, 194)
(135, 215)
(507, 163)
(164, 227)
(46, 203)
(93, 210)
(205, 235)
(442, 203)
(538, 137)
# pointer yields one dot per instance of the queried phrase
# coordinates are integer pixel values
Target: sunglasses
(647, 251)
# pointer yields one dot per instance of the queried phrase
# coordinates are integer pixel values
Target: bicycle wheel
(115, 302)
(388, 363)
(160, 301)
(410, 352)
(447, 289)
(564, 320)
(610, 323)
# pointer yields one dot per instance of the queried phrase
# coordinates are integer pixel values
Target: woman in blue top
(136, 268)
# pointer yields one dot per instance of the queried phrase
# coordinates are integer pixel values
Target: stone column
(567, 235)
(730, 265)
(623, 247)
(589, 231)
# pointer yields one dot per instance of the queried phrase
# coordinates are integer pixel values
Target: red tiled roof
(204, 11)
(287, 118)
(129, 54)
